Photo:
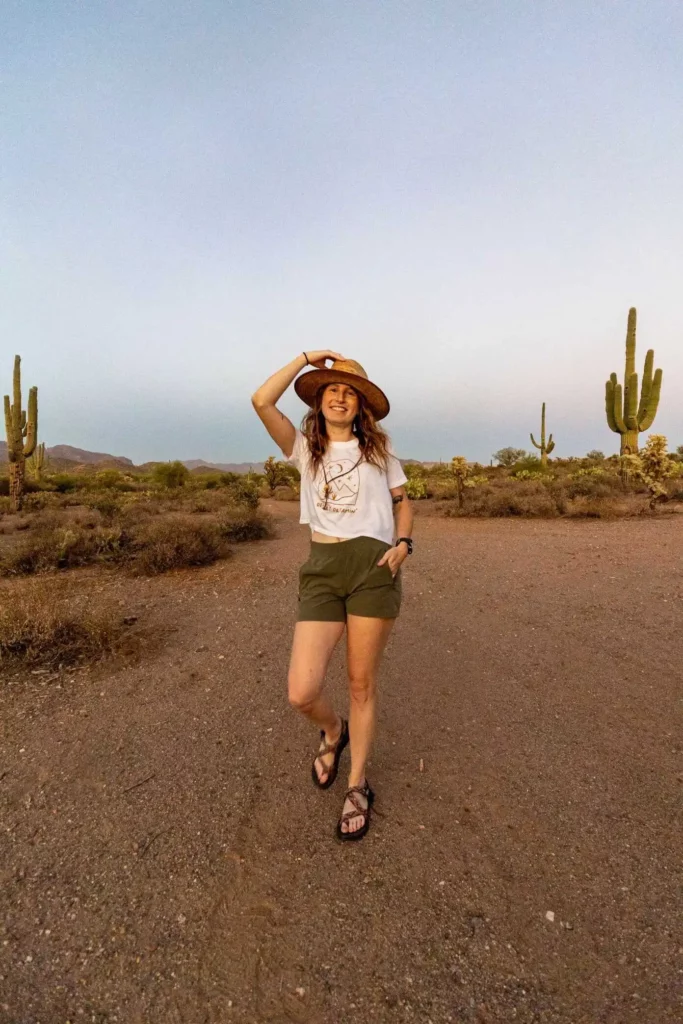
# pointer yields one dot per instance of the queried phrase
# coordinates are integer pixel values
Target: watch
(407, 541)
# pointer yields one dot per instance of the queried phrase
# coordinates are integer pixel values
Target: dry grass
(176, 542)
(42, 623)
(140, 536)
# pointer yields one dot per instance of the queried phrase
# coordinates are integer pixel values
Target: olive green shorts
(344, 579)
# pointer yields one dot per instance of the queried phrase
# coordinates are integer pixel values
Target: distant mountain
(65, 451)
(63, 455)
(200, 465)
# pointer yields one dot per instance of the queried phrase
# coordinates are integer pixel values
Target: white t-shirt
(359, 497)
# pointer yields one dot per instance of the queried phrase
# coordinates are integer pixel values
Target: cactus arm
(618, 410)
(630, 345)
(543, 424)
(535, 443)
(8, 419)
(631, 402)
(646, 387)
(550, 445)
(9, 427)
(609, 405)
(16, 407)
(653, 402)
(31, 432)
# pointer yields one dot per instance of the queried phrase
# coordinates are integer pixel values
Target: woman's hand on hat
(320, 357)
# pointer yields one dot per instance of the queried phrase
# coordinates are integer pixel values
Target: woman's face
(340, 405)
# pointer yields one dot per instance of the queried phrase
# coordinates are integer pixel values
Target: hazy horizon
(465, 198)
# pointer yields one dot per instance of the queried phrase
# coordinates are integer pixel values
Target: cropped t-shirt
(358, 502)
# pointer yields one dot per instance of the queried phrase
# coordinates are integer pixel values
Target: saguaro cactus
(22, 431)
(625, 414)
(545, 448)
(36, 463)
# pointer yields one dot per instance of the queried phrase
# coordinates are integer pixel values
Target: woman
(350, 485)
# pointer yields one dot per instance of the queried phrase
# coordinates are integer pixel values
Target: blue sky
(464, 196)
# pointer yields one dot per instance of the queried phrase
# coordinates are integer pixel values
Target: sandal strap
(330, 748)
(359, 809)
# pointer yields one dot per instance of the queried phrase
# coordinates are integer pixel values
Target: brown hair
(373, 441)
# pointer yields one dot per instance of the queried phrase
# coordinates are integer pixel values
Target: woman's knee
(361, 687)
(302, 692)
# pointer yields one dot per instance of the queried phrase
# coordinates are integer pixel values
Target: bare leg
(312, 649)
(366, 641)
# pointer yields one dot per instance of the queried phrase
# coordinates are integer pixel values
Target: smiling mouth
(339, 408)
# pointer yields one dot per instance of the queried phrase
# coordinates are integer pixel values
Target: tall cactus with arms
(22, 432)
(625, 414)
(544, 448)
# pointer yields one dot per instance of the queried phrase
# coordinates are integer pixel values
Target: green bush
(243, 524)
(509, 456)
(244, 492)
(416, 488)
(170, 475)
(65, 482)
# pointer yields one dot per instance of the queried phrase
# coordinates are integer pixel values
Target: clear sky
(464, 196)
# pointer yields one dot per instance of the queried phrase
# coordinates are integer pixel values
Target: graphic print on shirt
(339, 485)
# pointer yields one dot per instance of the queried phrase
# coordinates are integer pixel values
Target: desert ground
(165, 858)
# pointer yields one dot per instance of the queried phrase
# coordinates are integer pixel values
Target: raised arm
(280, 428)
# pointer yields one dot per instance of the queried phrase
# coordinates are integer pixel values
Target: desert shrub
(107, 503)
(228, 478)
(416, 488)
(244, 492)
(588, 471)
(530, 499)
(592, 485)
(4, 504)
(530, 474)
(242, 523)
(52, 544)
(64, 482)
(176, 542)
(38, 501)
(285, 492)
(210, 482)
(529, 464)
(279, 474)
(509, 456)
(415, 470)
(170, 474)
(601, 507)
(441, 488)
(42, 624)
(595, 455)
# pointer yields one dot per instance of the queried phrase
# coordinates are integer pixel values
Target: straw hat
(343, 371)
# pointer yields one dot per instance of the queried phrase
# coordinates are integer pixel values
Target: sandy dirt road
(165, 859)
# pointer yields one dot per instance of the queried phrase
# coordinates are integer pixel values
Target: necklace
(327, 492)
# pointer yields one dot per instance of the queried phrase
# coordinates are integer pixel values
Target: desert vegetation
(57, 516)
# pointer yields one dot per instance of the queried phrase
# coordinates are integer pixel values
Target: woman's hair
(372, 439)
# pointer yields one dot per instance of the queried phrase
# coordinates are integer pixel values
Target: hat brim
(308, 385)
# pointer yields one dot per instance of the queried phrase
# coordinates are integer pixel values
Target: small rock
(129, 620)
(202, 647)
(549, 916)
(301, 992)
(422, 765)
